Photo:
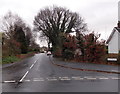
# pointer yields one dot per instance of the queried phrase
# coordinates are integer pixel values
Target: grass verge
(12, 59)
(9, 59)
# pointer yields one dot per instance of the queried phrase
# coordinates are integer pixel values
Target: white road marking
(115, 78)
(64, 78)
(87, 77)
(35, 61)
(27, 72)
(61, 78)
(27, 80)
(77, 78)
(52, 79)
(38, 80)
(115, 70)
(24, 76)
(103, 78)
(9, 81)
(32, 66)
(91, 78)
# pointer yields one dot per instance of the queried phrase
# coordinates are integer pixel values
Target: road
(38, 74)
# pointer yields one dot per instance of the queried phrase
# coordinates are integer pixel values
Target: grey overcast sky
(100, 15)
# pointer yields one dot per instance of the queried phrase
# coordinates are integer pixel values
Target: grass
(9, 59)
(12, 59)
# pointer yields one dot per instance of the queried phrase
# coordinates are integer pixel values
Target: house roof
(118, 29)
(111, 35)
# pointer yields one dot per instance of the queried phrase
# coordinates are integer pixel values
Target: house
(114, 41)
(114, 38)
(114, 44)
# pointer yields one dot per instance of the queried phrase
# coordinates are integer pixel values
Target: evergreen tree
(21, 38)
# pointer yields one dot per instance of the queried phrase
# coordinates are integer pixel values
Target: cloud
(101, 15)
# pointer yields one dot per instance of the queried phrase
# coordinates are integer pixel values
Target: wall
(119, 41)
(113, 44)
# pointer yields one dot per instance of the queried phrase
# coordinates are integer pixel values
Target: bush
(9, 59)
(94, 49)
(68, 54)
(118, 59)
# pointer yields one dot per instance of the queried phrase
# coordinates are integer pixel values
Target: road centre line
(32, 66)
(27, 72)
(35, 61)
(24, 76)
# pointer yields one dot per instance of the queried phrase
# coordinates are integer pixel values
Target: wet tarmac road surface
(38, 74)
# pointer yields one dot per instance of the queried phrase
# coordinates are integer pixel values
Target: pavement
(87, 66)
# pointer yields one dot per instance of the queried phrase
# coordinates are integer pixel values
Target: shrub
(94, 49)
(9, 59)
(68, 54)
(118, 59)
(69, 46)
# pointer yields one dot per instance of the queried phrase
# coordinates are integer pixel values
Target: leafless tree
(55, 21)
(16, 31)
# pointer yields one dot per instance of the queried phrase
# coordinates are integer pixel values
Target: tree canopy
(17, 34)
(54, 22)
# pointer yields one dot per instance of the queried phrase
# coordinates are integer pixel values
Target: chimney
(118, 25)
